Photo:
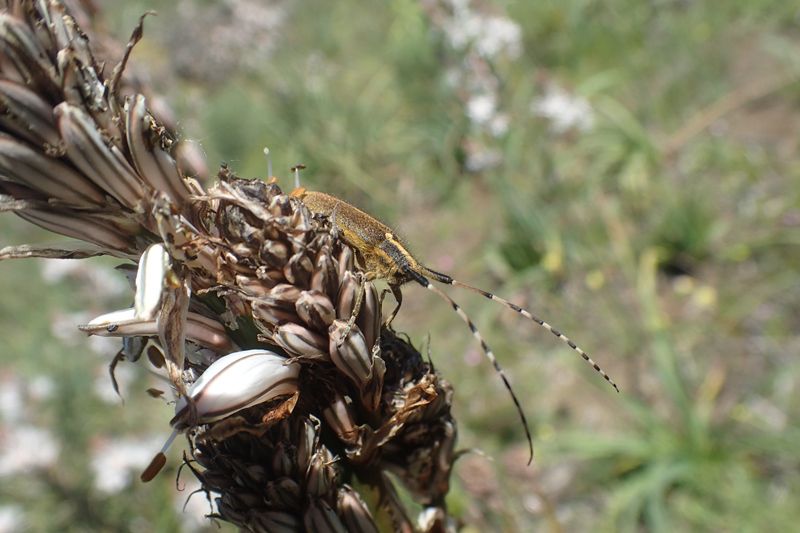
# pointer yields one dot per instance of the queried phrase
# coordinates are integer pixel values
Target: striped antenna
(444, 278)
(425, 282)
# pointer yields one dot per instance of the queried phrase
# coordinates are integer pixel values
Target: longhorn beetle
(384, 256)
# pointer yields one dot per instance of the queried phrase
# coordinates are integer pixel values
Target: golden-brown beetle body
(380, 251)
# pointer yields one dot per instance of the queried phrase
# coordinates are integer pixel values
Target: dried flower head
(242, 298)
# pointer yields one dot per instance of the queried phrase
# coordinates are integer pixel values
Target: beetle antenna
(444, 278)
(425, 282)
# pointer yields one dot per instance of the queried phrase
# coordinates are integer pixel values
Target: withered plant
(242, 297)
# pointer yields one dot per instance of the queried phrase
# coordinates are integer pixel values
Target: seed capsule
(369, 318)
(300, 341)
(102, 163)
(347, 296)
(321, 477)
(276, 521)
(321, 517)
(339, 417)
(315, 309)
(307, 439)
(351, 355)
(355, 512)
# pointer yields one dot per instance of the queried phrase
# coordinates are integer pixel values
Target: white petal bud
(153, 269)
(125, 323)
(235, 382)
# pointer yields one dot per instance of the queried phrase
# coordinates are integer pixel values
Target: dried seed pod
(345, 262)
(282, 460)
(274, 253)
(274, 522)
(369, 317)
(155, 166)
(268, 316)
(315, 309)
(354, 512)
(285, 493)
(325, 278)
(84, 227)
(348, 291)
(301, 342)
(254, 287)
(284, 294)
(84, 89)
(339, 416)
(350, 354)
(23, 50)
(102, 163)
(299, 225)
(307, 441)
(320, 516)
(321, 477)
(298, 269)
(24, 165)
(25, 113)
(172, 326)
(280, 205)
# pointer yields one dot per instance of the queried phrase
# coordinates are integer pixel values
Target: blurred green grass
(672, 257)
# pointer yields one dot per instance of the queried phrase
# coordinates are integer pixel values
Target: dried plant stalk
(237, 281)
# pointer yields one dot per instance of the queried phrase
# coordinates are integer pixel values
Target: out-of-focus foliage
(627, 169)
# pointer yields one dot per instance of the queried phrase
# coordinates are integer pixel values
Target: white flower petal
(237, 381)
(153, 269)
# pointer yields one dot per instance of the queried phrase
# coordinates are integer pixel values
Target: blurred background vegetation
(626, 169)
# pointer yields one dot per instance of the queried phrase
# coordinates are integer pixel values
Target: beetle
(383, 255)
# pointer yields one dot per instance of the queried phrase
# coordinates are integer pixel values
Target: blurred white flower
(499, 124)
(489, 35)
(17, 396)
(116, 462)
(41, 387)
(25, 448)
(12, 403)
(11, 518)
(564, 110)
(482, 112)
(479, 160)
(481, 108)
